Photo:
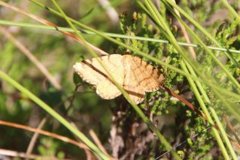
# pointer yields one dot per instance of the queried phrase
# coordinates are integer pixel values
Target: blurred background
(25, 51)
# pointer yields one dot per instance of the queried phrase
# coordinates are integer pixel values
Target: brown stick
(183, 100)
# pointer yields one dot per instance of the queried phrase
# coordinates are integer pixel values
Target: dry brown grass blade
(48, 23)
(34, 137)
(31, 57)
(46, 133)
(185, 34)
(9, 153)
(98, 142)
(110, 11)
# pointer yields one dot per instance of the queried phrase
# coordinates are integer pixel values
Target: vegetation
(47, 111)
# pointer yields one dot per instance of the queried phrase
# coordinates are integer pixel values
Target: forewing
(140, 78)
(92, 72)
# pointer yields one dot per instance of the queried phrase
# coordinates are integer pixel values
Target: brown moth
(132, 73)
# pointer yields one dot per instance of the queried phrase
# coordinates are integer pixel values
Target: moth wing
(88, 73)
(140, 78)
(92, 72)
(107, 90)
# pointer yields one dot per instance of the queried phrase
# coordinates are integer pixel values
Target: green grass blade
(54, 114)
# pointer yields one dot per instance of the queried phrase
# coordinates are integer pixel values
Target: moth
(131, 72)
